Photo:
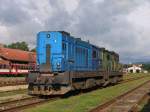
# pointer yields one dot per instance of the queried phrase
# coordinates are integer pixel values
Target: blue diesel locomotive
(67, 63)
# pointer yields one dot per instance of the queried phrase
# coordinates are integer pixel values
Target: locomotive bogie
(69, 81)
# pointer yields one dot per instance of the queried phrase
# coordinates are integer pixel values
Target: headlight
(58, 65)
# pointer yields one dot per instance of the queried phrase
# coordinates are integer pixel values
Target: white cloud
(120, 25)
(4, 34)
(70, 5)
(140, 20)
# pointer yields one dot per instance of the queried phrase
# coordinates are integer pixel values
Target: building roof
(17, 55)
(4, 61)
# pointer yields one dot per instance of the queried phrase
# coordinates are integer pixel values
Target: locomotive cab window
(94, 54)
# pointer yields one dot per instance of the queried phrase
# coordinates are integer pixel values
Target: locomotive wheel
(90, 83)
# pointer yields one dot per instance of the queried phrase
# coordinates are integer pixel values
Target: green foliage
(18, 45)
(33, 50)
(146, 67)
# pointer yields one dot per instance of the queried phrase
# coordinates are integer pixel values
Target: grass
(87, 101)
(14, 92)
(144, 106)
(134, 75)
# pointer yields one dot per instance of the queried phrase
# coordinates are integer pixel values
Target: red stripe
(1, 73)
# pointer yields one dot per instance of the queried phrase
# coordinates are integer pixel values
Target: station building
(15, 56)
(134, 69)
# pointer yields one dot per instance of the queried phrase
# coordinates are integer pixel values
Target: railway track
(5, 81)
(16, 105)
(12, 84)
(132, 79)
(126, 102)
(16, 82)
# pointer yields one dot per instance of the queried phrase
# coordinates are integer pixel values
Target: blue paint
(67, 53)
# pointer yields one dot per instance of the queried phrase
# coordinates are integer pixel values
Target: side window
(94, 54)
(64, 46)
(5, 66)
(86, 55)
(72, 49)
(108, 57)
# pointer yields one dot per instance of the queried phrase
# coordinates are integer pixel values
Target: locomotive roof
(63, 32)
(79, 39)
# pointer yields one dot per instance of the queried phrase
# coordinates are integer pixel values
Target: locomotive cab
(49, 49)
(51, 54)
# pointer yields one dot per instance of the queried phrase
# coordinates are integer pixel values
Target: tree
(146, 67)
(33, 50)
(18, 45)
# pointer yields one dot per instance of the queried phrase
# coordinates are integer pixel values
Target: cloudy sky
(119, 25)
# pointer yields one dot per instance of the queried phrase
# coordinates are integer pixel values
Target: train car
(16, 69)
(67, 63)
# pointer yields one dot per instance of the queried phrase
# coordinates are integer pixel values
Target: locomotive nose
(45, 78)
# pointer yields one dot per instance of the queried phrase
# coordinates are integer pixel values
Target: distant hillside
(148, 62)
(134, 60)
